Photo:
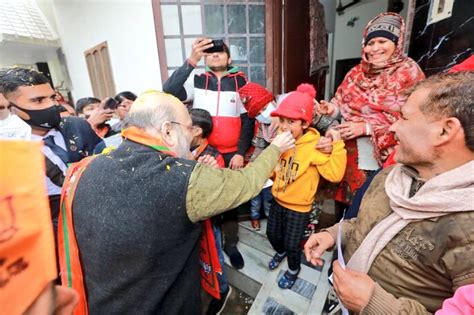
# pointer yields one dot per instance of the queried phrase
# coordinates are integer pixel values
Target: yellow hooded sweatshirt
(297, 174)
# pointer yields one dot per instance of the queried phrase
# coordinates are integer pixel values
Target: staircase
(307, 295)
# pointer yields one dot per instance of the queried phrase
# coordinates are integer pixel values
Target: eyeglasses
(190, 128)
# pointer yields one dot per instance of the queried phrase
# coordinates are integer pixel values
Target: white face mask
(264, 116)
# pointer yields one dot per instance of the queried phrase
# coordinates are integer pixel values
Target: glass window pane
(238, 49)
(191, 19)
(257, 50)
(245, 70)
(257, 19)
(257, 74)
(236, 21)
(214, 16)
(174, 53)
(170, 19)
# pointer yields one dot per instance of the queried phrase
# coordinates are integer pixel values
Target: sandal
(287, 280)
(275, 261)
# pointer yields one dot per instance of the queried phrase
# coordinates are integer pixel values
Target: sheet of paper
(340, 258)
(268, 183)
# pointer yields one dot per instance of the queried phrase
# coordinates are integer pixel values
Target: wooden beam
(160, 39)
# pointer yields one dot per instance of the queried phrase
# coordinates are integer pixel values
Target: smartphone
(111, 103)
(218, 46)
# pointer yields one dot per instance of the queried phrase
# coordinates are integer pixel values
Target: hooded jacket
(232, 128)
(297, 174)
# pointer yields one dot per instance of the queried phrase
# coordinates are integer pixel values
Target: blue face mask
(264, 116)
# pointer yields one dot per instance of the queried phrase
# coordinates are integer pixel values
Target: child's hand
(324, 145)
(208, 160)
(236, 162)
(326, 108)
(274, 124)
(333, 134)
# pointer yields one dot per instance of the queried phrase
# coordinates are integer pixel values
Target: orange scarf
(137, 135)
(69, 258)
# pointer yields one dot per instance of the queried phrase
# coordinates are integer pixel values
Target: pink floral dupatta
(373, 94)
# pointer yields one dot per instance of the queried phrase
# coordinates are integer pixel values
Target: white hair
(151, 109)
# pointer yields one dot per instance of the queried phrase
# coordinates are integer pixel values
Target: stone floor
(239, 303)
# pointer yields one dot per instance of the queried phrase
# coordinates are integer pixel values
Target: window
(241, 23)
(100, 71)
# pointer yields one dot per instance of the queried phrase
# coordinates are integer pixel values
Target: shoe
(217, 306)
(332, 303)
(255, 224)
(236, 259)
(287, 280)
(275, 261)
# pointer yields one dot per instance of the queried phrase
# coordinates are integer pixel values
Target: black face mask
(45, 119)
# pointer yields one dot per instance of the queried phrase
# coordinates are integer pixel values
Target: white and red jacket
(232, 128)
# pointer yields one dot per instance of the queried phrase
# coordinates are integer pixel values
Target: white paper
(13, 127)
(268, 183)
(340, 258)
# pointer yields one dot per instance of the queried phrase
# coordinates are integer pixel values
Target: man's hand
(354, 289)
(100, 115)
(208, 160)
(284, 141)
(351, 130)
(197, 51)
(316, 245)
(236, 162)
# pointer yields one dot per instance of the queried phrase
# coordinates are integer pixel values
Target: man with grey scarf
(412, 243)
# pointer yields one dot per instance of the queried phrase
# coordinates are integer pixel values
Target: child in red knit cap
(296, 179)
(259, 103)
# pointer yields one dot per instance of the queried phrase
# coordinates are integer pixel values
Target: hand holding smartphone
(218, 46)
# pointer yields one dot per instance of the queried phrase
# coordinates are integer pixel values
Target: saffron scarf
(137, 135)
(372, 94)
(68, 250)
(208, 256)
(447, 193)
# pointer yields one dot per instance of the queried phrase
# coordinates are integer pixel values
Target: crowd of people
(140, 203)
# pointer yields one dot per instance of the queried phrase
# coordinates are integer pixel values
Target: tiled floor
(239, 303)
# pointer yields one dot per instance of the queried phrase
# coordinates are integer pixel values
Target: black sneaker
(216, 306)
(332, 305)
(235, 257)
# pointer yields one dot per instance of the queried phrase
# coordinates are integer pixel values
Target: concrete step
(250, 278)
(255, 239)
(257, 252)
(256, 280)
(306, 297)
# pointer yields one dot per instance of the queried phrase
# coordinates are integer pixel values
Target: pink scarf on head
(447, 193)
(372, 93)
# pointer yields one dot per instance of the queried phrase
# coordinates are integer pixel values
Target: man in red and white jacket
(216, 90)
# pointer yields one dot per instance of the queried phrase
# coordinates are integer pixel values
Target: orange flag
(27, 256)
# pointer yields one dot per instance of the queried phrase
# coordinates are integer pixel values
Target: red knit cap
(255, 97)
(298, 104)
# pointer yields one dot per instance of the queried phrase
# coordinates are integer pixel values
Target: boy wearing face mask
(66, 140)
(259, 103)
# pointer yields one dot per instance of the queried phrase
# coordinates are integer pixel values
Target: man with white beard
(137, 212)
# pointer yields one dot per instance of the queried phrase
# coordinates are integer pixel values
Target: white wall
(129, 30)
(347, 39)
